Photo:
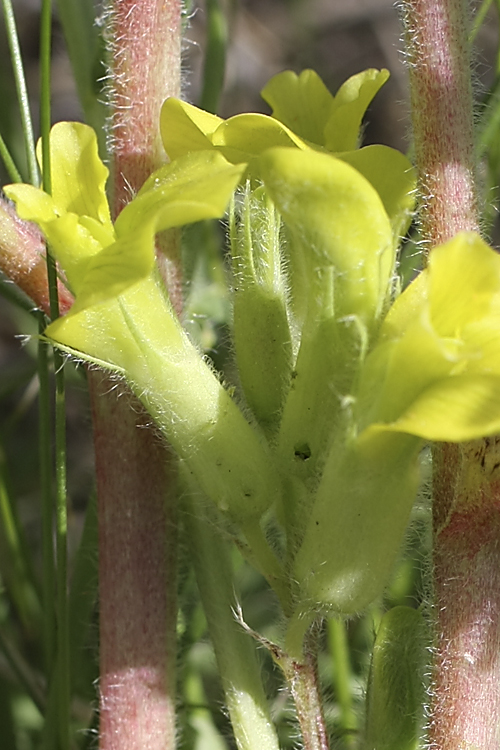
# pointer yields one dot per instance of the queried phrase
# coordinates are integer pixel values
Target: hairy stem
(137, 581)
(302, 679)
(438, 54)
(135, 471)
(466, 674)
(465, 710)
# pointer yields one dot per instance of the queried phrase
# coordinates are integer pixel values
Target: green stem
(22, 91)
(63, 661)
(235, 653)
(215, 56)
(342, 679)
(45, 91)
(61, 513)
(9, 162)
(45, 463)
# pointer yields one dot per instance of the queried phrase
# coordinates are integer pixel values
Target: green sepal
(261, 333)
(395, 692)
(329, 357)
(263, 352)
(356, 525)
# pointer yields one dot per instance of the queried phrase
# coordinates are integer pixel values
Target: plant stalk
(465, 704)
(302, 678)
(137, 573)
(136, 477)
(439, 62)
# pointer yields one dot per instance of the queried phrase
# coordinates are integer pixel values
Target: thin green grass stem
(64, 681)
(45, 461)
(342, 679)
(9, 162)
(479, 18)
(215, 56)
(45, 89)
(61, 516)
(22, 91)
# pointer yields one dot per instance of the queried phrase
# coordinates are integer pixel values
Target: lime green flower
(122, 318)
(378, 182)
(359, 382)
(305, 117)
(304, 104)
(433, 373)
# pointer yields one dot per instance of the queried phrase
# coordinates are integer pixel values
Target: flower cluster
(345, 380)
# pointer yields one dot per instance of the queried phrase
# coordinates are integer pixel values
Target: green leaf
(395, 687)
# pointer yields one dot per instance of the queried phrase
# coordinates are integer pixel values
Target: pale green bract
(358, 381)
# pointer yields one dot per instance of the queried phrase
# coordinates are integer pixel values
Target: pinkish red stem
(466, 674)
(465, 700)
(145, 57)
(135, 472)
(438, 55)
(137, 573)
